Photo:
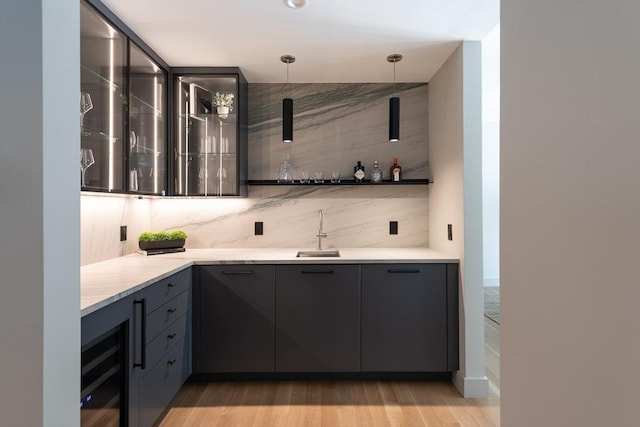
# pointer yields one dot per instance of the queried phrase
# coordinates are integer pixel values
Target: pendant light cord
(394, 78)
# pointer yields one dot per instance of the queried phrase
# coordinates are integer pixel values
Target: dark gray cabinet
(318, 318)
(106, 376)
(210, 131)
(235, 319)
(165, 359)
(406, 314)
(155, 323)
(123, 108)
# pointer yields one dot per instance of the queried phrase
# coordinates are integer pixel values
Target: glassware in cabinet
(147, 124)
(209, 133)
(103, 66)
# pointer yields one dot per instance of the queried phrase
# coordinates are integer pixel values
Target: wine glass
(85, 105)
(86, 160)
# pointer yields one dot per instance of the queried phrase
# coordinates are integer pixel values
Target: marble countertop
(105, 282)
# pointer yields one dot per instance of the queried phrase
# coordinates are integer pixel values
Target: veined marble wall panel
(354, 216)
(335, 125)
(101, 216)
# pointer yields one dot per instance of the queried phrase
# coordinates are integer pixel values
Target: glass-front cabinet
(103, 94)
(123, 111)
(147, 124)
(210, 135)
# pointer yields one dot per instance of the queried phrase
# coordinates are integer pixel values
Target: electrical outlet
(258, 228)
(393, 227)
(123, 233)
(449, 231)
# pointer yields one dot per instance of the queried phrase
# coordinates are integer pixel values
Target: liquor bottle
(396, 170)
(376, 173)
(358, 172)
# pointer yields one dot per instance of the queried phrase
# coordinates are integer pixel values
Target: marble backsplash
(334, 126)
(101, 216)
(353, 217)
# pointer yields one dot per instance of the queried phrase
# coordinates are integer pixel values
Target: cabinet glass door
(206, 135)
(147, 124)
(103, 68)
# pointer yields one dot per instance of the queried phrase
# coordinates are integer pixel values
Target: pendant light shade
(394, 119)
(394, 104)
(287, 106)
(287, 120)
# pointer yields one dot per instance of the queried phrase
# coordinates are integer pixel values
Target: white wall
(570, 209)
(39, 213)
(491, 157)
(455, 197)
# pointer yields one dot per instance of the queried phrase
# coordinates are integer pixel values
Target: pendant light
(394, 104)
(287, 106)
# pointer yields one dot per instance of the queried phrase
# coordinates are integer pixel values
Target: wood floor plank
(311, 404)
(338, 404)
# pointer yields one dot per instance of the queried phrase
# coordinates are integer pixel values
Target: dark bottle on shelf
(358, 172)
(396, 171)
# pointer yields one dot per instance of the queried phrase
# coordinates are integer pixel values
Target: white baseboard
(471, 387)
(491, 281)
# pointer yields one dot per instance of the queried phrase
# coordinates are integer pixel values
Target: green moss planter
(161, 244)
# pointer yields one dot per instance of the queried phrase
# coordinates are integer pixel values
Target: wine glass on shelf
(85, 105)
(86, 160)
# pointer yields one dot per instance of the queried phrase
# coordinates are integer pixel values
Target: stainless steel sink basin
(318, 254)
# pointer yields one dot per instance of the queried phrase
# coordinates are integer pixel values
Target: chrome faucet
(321, 233)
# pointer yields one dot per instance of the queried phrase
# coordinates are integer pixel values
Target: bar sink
(318, 254)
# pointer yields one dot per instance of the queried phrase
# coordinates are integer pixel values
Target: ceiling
(332, 40)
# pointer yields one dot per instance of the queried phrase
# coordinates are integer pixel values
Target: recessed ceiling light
(296, 4)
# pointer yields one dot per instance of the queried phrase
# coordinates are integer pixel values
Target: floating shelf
(328, 183)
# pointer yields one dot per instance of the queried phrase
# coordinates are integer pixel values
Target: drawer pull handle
(171, 362)
(403, 271)
(237, 273)
(171, 310)
(143, 334)
(317, 271)
(171, 336)
(171, 285)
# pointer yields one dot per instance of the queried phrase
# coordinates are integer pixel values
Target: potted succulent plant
(161, 240)
(223, 103)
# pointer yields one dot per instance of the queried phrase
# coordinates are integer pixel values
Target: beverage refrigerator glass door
(103, 393)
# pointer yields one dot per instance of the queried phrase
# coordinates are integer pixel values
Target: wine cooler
(103, 399)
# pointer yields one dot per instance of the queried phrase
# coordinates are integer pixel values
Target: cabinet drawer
(166, 289)
(162, 382)
(166, 315)
(165, 341)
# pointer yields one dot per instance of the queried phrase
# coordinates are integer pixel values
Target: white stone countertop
(105, 282)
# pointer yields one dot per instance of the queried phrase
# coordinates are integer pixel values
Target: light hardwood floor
(341, 403)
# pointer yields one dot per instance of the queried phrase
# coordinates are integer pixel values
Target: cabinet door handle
(237, 273)
(143, 334)
(171, 285)
(401, 271)
(171, 336)
(317, 271)
(171, 310)
(171, 362)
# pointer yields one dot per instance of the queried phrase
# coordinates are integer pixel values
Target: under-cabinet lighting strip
(155, 134)
(111, 106)
(179, 139)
